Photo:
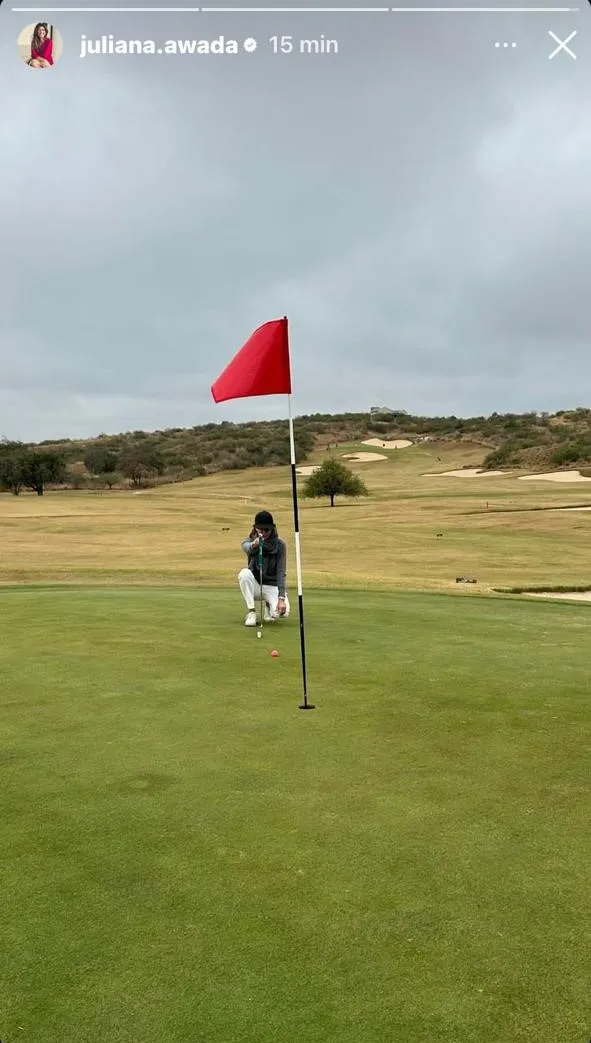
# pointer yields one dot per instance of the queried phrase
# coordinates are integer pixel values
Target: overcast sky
(419, 206)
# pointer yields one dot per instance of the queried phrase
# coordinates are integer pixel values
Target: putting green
(187, 856)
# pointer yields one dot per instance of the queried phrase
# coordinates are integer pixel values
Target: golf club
(260, 626)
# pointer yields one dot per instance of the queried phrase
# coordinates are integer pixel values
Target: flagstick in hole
(296, 524)
(262, 367)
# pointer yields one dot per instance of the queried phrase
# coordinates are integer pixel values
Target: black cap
(264, 520)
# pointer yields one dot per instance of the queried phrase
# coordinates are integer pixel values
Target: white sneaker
(268, 617)
(251, 619)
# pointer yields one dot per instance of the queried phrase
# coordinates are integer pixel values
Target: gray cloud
(419, 205)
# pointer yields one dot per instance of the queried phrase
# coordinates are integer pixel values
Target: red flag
(261, 367)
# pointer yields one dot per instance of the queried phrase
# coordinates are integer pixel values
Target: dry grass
(174, 534)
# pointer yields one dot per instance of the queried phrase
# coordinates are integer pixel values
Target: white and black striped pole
(294, 488)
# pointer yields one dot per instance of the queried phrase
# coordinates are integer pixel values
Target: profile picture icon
(40, 45)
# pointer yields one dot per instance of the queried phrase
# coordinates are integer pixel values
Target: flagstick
(305, 705)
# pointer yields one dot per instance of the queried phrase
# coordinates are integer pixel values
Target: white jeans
(251, 592)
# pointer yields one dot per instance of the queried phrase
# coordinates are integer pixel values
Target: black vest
(270, 551)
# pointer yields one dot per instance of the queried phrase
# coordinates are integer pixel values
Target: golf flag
(262, 367)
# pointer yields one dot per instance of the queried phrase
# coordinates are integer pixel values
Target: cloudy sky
(419, 205)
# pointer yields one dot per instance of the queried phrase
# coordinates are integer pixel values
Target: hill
(536, 441)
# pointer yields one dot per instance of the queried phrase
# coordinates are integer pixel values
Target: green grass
(188, 857)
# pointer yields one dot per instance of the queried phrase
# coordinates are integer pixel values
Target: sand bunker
(573, 595)
(466, 472)
(359, 458)
(364, 457)
(399, 443)
(555, 476)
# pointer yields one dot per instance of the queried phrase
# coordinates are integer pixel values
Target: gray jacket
(274, 563)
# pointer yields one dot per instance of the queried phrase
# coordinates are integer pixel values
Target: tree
(568, 453)
(332, 479)
(11, 469)
(99, 460)
(78, 474)
(140, 462)
(11, 475)
(39, 468)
